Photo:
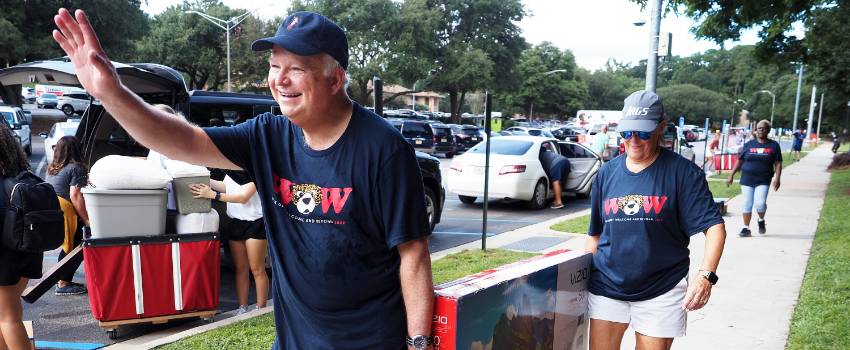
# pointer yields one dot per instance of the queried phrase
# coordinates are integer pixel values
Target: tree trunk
(454, 106)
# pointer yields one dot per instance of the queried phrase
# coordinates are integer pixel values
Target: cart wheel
(112, 333)
(207, 319)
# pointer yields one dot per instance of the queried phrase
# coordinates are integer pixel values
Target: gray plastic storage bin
(186, 203)
(121, 213)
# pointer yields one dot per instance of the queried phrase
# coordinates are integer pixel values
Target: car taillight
(512, 169)
(456, 167)
(434, 139)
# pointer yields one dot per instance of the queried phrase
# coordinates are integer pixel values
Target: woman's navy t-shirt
(645, 221)
(758, 161)
(333, 220)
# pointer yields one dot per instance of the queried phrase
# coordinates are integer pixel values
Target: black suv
(466, 136)
(427, 137)
(100, 135)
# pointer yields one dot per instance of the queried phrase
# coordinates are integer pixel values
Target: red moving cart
(152, 279)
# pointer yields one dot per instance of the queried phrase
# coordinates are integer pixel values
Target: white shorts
(660, 317)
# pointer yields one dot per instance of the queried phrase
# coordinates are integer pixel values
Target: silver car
(14, 116)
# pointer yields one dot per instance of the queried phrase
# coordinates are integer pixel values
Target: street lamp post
(772, 103)
(652, 60)
(227, 25)
(797, 101)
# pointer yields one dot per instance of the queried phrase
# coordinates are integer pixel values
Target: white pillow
(177, 168)
(197, 222)
(127, 173)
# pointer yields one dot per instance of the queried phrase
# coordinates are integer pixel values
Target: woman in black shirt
(16, 268)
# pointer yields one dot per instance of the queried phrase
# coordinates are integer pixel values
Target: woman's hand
(730, 180)
(202, 191)
(776, 184)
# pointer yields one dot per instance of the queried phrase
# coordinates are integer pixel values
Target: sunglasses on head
(643, 135)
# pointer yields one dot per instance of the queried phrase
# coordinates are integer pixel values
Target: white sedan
(66, 128)
(516, 172)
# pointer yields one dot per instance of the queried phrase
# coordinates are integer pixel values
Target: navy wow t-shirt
(758, 162)
(333, 218)
(645, 221)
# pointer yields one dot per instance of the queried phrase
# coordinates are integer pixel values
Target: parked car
(516, 172)
(466, 136)
(73, 102)
(28, 94)
(524, 130)
(444, 140)
(14, 116)
(57, 131)
(47, 100)
(101, 135)
(568, 133)
(417, 133)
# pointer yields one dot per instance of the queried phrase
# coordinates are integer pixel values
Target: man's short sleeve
(596, 222)
(235, 141)
(697, 210)
(401, 199)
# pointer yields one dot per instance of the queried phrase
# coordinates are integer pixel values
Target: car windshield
(439, 132)
(470, 132)
(10, 119)
(535, 132)
(506, 147)
(48, 96)
(69, 130)
(415, 130)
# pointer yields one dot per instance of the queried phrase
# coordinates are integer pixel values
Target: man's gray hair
(332, 64)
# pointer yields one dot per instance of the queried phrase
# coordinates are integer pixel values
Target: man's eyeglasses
(643, 135)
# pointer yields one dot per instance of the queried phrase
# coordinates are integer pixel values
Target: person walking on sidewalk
(16, 267)
(246, 233)
(760, 163)
(644, 208)
(68, 174)
(348, 240)
(797, 144)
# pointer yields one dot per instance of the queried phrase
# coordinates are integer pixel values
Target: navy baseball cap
(308, 33)
(642, 111)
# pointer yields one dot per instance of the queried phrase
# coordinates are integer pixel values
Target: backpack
(33, 220)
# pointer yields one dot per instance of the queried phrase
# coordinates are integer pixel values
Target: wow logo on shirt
(308, 198)
(761, 150)
(631, 205)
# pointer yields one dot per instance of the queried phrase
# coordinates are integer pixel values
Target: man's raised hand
(79, 41)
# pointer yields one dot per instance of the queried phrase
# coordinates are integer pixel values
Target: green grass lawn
(719, 190)
(822, 317)
(258, 332)
(845, 147)
(575, 225)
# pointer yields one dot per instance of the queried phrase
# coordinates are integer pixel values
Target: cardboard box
(537, 303)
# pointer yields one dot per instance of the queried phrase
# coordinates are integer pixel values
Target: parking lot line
(66, 345)
(489, 234)
(492, 220)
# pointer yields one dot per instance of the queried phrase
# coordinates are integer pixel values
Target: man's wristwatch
(420, 342)
(710, 276)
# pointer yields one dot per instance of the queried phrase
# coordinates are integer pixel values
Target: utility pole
(820, 115)
(797, 102)
(652, 60)
(811, 112)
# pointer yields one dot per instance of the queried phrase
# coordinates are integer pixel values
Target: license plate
(474, 139)
(445, 140)
(418, 142)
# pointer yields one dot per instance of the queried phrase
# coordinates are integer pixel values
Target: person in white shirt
(246, 233)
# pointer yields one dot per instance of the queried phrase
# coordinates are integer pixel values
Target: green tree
(198, 48)
(26, 26)
(476, 47)
(694, 103)
(608, 87)
(549, 83)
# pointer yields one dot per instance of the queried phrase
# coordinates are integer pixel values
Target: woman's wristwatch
(709, 275)
(217, 195)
